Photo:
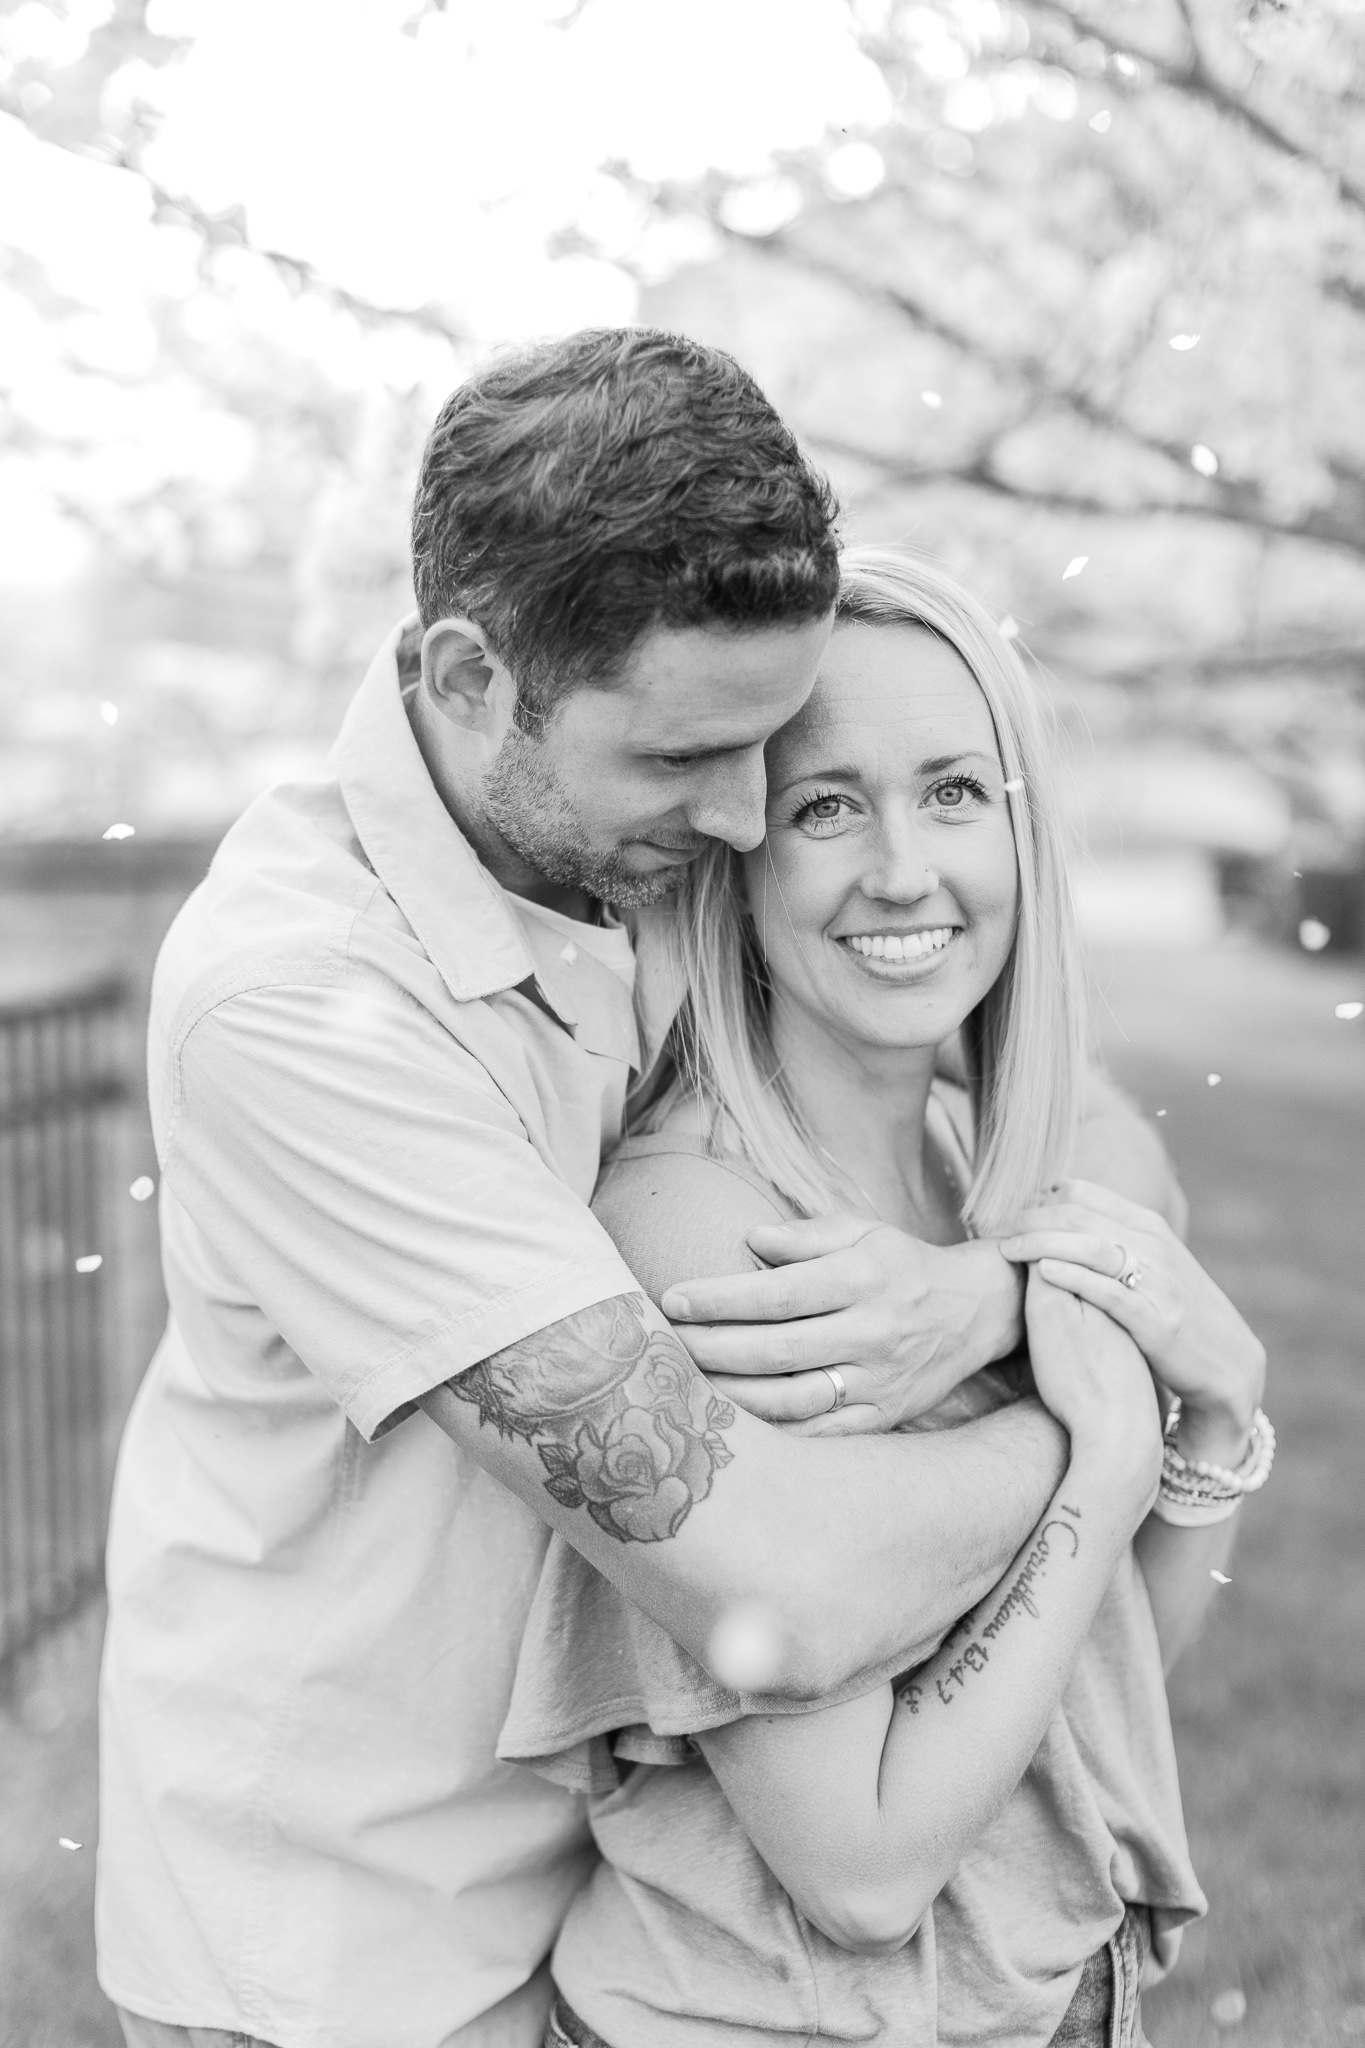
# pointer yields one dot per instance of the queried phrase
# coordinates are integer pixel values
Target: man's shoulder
(278, 906)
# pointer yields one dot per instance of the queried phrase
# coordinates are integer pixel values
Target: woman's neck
(865, 1108)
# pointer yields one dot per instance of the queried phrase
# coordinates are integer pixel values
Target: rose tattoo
(624, 1424)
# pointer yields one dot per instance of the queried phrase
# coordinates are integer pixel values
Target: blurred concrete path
(1270, 1708)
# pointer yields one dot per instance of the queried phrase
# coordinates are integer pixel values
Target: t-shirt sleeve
(370, 1187)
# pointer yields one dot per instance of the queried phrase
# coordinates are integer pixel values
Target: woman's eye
(821, 811)
(957, 793)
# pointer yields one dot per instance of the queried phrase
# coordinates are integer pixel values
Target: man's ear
(463, 679)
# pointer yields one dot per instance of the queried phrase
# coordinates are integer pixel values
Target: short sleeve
(374, 1192)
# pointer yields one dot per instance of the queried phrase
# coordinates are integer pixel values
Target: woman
(982, 1849)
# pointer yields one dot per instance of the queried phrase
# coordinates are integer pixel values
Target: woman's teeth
(908, 946)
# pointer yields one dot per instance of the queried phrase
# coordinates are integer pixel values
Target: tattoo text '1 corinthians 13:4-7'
(967, 1647)
(625, 1425)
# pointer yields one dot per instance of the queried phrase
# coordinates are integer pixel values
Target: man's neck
(462, 797)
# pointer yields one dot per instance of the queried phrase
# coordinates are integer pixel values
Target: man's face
(624, 787)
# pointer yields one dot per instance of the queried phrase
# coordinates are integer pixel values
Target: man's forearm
(859, 1550)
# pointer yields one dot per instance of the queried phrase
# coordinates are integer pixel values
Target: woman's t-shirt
(683, 1938)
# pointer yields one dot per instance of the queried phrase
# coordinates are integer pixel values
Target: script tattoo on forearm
(624, 1424)
(962, 1651)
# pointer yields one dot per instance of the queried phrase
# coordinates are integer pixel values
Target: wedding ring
(836, 1380)
(1132, 1271)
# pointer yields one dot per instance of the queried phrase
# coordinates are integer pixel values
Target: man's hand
(903, 1321)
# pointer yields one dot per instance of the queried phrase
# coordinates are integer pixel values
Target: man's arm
(913, 1318)
(859, 1550)
(1117, 1147)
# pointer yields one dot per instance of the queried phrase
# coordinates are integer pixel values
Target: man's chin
(624, 890)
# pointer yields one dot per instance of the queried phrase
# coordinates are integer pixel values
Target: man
(390, 1036)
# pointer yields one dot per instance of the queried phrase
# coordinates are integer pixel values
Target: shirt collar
(415, 847)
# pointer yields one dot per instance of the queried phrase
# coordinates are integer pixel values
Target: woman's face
(889, 869)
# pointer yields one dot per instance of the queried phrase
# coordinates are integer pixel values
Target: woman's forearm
(1181, 1566)
(1178, 1567)
(965, 1725)
(864, 1811)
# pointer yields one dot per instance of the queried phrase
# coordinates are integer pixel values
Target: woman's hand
(1187, 1329)
(1095, 1380)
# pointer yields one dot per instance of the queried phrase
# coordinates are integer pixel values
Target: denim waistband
(1105, 2010)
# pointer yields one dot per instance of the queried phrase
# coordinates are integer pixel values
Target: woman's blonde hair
(1024, 1042)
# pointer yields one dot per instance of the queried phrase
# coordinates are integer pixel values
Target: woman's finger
(1124, 1304)
(1102, 1254)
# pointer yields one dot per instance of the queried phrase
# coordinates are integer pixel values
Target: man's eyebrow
(934, 766)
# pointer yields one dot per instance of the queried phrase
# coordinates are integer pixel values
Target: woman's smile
(900, 955)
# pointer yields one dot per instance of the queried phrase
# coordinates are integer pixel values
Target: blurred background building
(1070, 295)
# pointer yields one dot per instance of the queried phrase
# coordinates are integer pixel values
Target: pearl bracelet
(1195, 1493)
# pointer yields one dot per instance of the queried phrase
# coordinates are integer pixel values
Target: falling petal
(91, 1263)
(1009, 627)
(1100, 122)
(143, 1188)
(1125, 64)
(1314, 935)
(1203, 459)
(109, 713)
(1016, 782)
(1074, 567)
(568, 953)
(1161, 1112)
(120, 832)
(1229, 2009)
(1348, 1012)
(745, 1649)
(933, 399)
(1214, 1079)
(65, 1842)
(1220, 1578)
(1184, 341)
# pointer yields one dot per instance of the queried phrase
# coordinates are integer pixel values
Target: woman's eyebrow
(933, 766)
(820, 774)
(939, 762)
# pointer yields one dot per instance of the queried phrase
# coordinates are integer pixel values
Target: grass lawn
(1270, 1708)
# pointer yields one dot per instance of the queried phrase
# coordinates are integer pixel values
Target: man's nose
(731, 802)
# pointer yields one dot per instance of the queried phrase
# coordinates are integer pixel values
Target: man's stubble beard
(530, 809)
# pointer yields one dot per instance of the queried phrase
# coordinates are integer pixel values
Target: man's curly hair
(576, 493)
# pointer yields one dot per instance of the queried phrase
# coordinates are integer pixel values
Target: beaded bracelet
(1194, 1494)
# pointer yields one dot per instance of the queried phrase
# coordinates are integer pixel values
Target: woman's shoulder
(679, 1206)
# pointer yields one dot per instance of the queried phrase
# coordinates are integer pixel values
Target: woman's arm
(1196, 1343)
(864, 1811)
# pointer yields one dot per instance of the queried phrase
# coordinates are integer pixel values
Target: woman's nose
(901, 873)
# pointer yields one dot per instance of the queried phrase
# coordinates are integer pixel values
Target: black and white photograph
(682, 1023)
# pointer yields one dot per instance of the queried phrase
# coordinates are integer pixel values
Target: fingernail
(677, 1306)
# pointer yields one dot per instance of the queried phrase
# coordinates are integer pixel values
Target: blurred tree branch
(1240, 502)
(1196, 78)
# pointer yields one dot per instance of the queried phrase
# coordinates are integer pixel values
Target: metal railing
(62, 1087)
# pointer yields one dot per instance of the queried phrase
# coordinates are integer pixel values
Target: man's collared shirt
(380, 1089)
